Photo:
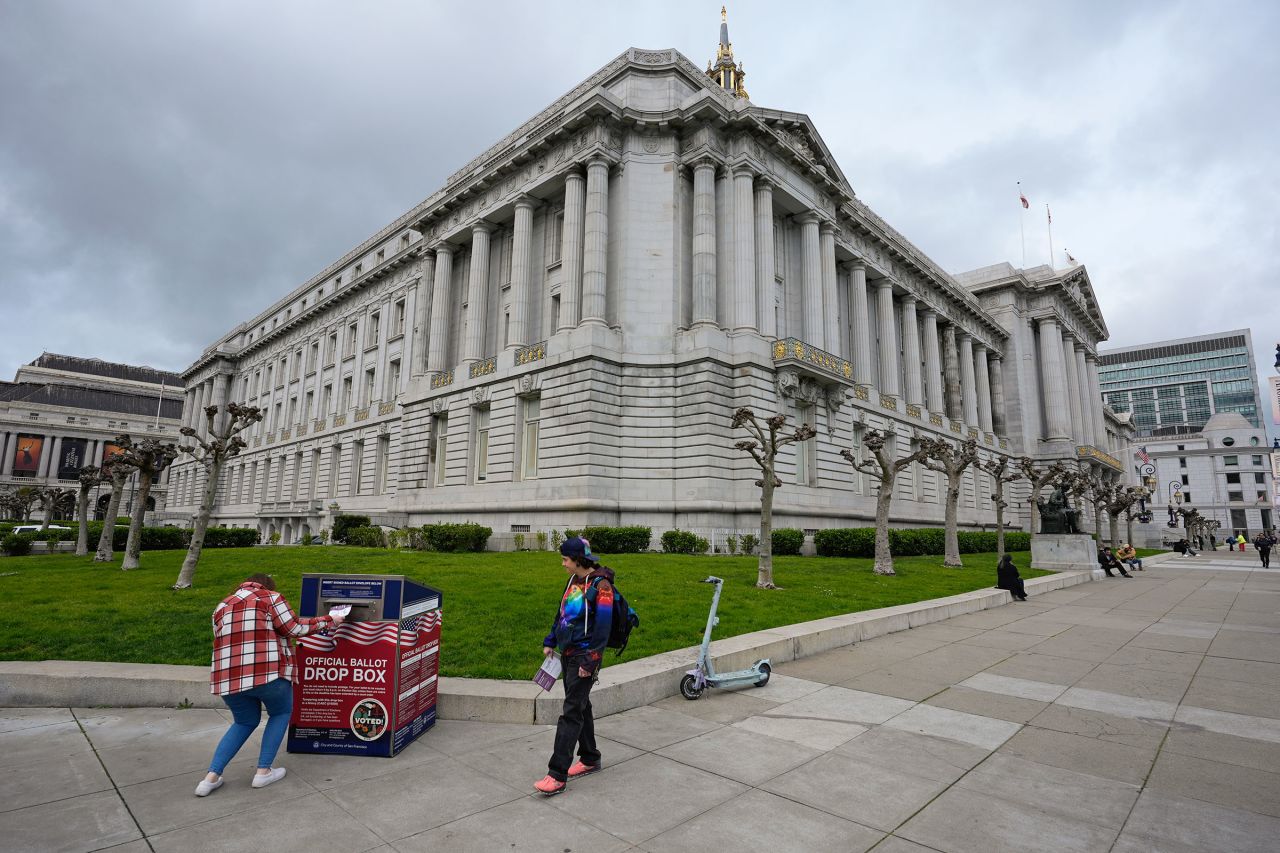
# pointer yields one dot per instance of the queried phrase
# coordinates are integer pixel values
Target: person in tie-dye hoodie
(579, 634)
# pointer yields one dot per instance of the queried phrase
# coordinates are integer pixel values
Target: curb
(90, 684)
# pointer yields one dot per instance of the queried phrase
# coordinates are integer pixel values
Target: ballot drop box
(367, 687)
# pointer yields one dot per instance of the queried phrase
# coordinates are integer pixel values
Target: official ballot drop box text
(368, 687)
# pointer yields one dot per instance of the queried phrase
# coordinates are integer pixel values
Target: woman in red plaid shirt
(253, 668)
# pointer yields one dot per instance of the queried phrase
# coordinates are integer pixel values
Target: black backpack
(624, 620)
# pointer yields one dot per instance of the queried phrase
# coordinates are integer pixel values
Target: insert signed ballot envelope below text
(343, 610)
(548, 672)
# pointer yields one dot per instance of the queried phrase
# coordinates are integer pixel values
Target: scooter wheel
(689, 688)
(765, 669)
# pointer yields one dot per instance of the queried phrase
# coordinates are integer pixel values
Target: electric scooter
(697, 680)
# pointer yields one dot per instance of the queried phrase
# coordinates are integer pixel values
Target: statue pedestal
(1063, 552)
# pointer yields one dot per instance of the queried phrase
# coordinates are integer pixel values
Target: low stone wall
(87, 684)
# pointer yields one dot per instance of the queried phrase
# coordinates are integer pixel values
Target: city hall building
(559, 336)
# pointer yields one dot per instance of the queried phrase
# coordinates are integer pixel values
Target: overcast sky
(168, 169)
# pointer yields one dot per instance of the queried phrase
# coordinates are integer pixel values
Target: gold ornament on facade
(779, 350)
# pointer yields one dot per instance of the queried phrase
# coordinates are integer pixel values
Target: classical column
(982, 370)
(1095, 392)
(911, 352)
(811, 282)
(744, 251)
(206, 395)
(951, 370)
(521, 242)
(477, 294)
(997, 395)
(1087, 403)
(1073, 387)
(932, 363)
(54, 450)
(704, 243)
(888, 339)
(221, 397)
(766, 317)
(437, 341)
(1054, 386)
(575, 195)
(421, 317)
(10, 451)
(188, 406)
(861, 310)
(968, 387)
(595, 251)
(830, 299)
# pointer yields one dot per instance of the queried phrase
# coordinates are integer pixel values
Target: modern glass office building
(1174, 387)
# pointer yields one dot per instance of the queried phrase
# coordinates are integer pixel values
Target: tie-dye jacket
(581, 628)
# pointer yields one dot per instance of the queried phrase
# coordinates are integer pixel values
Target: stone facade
(60, 413)
(560, 335)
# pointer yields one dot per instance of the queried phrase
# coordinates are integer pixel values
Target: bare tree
(119, 470)
(53, 499)
(998, 467)
(90, 478)
(885, 468)
(1122, 500)
(224, 442)
(1087, 486)
(946, 458)
(21, 501)
(1038, 478)
(149, 458)
(764, 445)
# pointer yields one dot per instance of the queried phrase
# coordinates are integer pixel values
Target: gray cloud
(189, 163)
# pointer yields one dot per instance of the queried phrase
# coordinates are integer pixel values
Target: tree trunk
(188, 574)
(884, 557)
(47, 506)
(106, 546)
(133, 548)
(764, 577)
(1115, 529)
(1128, 526)
(82, 513)
(952, 557)
(1000, 523)
(1097, 520)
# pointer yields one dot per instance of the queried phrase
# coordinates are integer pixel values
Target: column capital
(575, 172)
(444, 248)
(601, 160)
(1091, 356)
(826, 226)
(764, 182)
(909, 299)
(527, 201)
(482, 227)
(702, 161)
(807, 218)
(1080, 345)
(930, 311)
(963, 335)
(743, 170)
(884, 283)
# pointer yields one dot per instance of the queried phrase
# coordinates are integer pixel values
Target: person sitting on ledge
(1184, 548)
(1007, 577)
(1108, 561)
(1129, 556)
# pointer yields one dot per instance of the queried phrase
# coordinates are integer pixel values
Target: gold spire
(727, 74)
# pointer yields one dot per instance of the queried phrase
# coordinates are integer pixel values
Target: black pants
(1265, 554)
(1015, 588)
(576, 726)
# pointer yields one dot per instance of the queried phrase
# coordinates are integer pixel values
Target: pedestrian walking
(253, 668)
(579, 635)
(1240, 541)
(1007, 577)
(1264, 543)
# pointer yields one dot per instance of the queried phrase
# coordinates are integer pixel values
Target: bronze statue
(1057, 515)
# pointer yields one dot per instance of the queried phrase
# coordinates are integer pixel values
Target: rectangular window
(368, 391)
(1231, 460)
(382, 457)
(345, 400)
(1257, 460)
(1185, 480)
(331, 491)
(315, 357)
(357, 467)
(398, 315)
(382, 255)
(297, 365)
(393, 380)
(806, 454)
(555, 238)
(1235, 496)
(293, 411)
(308, 406)
(529, 440)
(1233, 478)
(266, 479)
(374, 329)
(279, 469)
(1182, 462)
(314, 475)
(1186, 496)
(439, 448)
(326, 400)
(480, 469)
(333, 348)
(1260, 479)
(352, 332)
(297, 475)
(555, 313)
(247, 495)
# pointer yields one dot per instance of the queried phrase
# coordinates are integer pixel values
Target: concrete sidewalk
(1120, 715)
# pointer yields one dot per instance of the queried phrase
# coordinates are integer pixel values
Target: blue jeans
(246, 710)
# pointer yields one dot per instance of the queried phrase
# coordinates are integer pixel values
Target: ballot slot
(361, 611)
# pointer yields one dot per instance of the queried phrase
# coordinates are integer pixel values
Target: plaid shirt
(252, 628)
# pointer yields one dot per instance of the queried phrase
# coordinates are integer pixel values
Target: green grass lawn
(497, 606)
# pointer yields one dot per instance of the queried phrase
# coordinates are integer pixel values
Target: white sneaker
(263, 780)
(205, 788)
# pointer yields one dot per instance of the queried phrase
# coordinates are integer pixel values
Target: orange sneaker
(579, 769)
(549, 786)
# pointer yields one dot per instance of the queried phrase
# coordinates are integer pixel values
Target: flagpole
(1022, 228)
(159, 403)
(1049, 225)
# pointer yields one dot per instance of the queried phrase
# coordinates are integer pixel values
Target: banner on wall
(109, 450)
(72, 458)
(26, 454)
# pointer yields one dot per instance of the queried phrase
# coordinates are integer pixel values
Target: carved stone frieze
(528, 385)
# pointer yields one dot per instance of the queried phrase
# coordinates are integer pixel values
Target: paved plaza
(1119, 715)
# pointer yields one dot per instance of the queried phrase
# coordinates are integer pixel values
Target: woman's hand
(338, 620)
(548, 651)
(583, 672)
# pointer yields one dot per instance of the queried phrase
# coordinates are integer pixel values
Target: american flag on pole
(1142, 456)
